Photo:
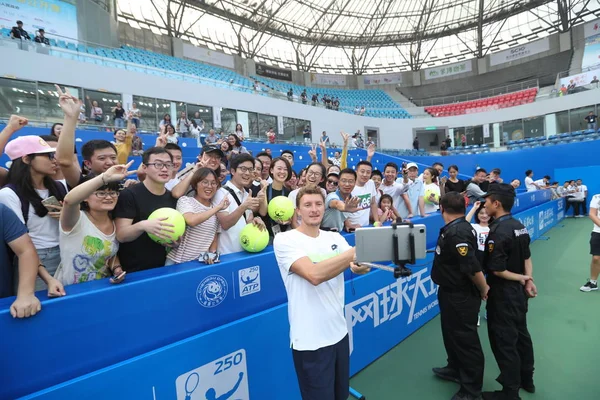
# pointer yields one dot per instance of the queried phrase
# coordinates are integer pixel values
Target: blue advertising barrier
(137, 339)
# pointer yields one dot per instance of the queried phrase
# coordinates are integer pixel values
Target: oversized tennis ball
(174, 218)
(281, 208)
(428, 194)
(253, 239)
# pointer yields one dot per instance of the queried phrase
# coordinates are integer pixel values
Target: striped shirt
(196, 239)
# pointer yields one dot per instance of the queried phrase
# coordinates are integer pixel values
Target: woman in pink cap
(35, 197)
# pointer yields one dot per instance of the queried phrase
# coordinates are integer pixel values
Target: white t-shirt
(595, 203)
(43, 231)
(84, 252)
(529, 184)
(196, 239)
(430, 207)
(365, 194)
(316, 313)
(396, 190)
(229, 240)
(482, 234)
(541, 183)
(579, 194)
(583, 189)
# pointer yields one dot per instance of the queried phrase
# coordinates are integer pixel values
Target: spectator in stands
(14, 123)
(448, 142)
(239, 132)
(292, 184)
(543, 183)
(183, 124)
(170, 134)
(591, 119)
(474, 192)
(325, 139)
(362, 110)
(453, 184)
(199, 121)
(583, 189)
(95, 111)
(265, 158)
(15, 238)
(195, 130)
(290, 95)
(239, 212)
(53, 142)
(595, 80)
(17, 32)
(332, 183)
(315, 99)
(356, 110)
(302, 179)
(34, 196)
(88, 238)
(463, 140)
(289, 156)
(119, 115)
(432, 190)
(56, 129)
(137, 251)
(413, 199)
(257, 174)
(212, 137)
(226, 149)
(416, 143)
(303, 97)
(41, 38)
(389, 186)
(386, 210)
(493, 177)
(200, 240)
(180, 184)
(123, 143)
(515, 183)
(281, 172)
(270, 135)
(135, 115)
(571, 86)
(366, 192)
(333, 169)
(529, 183)
(236, 145)
(165, 121)
(340, 203)
(314, 176)
(306, 134)
(377, 178)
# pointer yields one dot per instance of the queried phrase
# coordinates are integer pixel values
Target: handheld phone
(118, 277)
(385, 243)
(51, 201)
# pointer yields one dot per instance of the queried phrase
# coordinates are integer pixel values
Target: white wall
(394, 133)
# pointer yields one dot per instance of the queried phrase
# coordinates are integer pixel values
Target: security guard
(507, 262)
(462, 286)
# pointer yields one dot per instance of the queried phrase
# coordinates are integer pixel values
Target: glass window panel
(534, 127)
(48, 101)
(266, 122)
(19, 97)
(228, 120)
(163, 107)
(562, 122)
(199, 112)
(106, 101)
(577, 118)
(253, 125)
(149, 119)
(511, 130)
(289, 129)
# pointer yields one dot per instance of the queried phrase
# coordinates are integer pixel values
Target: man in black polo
(18, 32)
(507, 261)
(462, 286)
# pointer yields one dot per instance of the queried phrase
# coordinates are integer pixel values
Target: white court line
(153, 393)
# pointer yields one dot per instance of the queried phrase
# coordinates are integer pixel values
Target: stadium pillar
(416, 76)
(482, 65)
(177, 44)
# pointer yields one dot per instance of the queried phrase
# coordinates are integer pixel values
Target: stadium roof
(357, 36)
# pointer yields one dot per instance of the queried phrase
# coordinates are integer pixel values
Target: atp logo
(249, 280)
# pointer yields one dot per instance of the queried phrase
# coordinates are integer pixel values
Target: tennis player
(312, 262)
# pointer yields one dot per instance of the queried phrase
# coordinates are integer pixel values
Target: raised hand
(251, 202)
(371, 150)
(351, 205)
(313, 151)
(16, 122)
(476, 204)
(224, 203)
(117, 173)
(70, 104)
(161, 140)
(345, 137)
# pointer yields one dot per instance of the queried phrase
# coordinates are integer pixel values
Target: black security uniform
(507, 248)
(454, 264)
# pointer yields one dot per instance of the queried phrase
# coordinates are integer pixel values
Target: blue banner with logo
(170, 330)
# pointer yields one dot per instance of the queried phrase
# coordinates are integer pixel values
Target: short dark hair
(506, 201)
(454, 167)
(88, 149)
(49, 138)
(288, 152)
(264, 153)
(480, 170)
(241, 158)
(154, 151)
(547, 177)
(528, 172)
(348, 171)
(437, 163)
(377, 172)
(288, 167)
(391, 165)
(453, 203)
(497, 171)
(476, 216)
(308, 190)
(200, 175)
(172, 146)
(364, 162)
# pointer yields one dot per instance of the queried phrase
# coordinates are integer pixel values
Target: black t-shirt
(591, 119)
(506, 249)
(271, 194)
(137, 203)
(119, 112)
(455, 260)
(455, 186)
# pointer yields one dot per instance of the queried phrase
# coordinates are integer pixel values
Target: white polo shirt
(316, 313)
(595, 203)
(229, 240)
(529, 184)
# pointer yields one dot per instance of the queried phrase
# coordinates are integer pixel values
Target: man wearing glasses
(137, 251)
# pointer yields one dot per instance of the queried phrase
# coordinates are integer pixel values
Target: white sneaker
(589, 287)
(478, 320)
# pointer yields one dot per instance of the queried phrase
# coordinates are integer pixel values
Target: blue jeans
(136, 122)
(119, 123)
(50, 258)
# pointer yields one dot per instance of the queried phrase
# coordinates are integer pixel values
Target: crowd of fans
(67, 223)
